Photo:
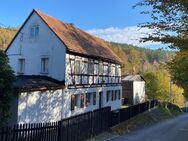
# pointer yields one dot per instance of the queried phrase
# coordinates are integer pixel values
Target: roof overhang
(30, 83)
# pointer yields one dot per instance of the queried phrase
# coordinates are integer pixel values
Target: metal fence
(77, 128)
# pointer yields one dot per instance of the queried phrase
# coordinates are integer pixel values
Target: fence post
(59, 131)
(149, 106)
(2, 133)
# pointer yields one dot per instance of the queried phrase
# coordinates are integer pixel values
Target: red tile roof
(78, 41)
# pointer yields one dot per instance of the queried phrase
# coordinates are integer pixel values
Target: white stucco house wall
(61, 71)
(133, 89)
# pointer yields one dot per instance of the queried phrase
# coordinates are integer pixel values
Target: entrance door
(100, 99)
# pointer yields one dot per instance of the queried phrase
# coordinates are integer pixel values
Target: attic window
(34, 31)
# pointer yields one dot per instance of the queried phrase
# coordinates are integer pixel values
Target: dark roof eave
(28, 83)
(94, 57)
(30, 89)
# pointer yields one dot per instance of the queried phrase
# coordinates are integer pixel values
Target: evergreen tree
(6, 91)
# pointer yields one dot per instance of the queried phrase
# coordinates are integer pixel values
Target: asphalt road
(172, 130)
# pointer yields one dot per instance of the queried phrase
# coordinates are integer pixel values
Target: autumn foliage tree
(178, 67)
(158, 86)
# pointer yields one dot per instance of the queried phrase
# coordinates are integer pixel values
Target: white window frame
(116, 70)
(77, 66)
(90, 67)
(77, 100)
(44, 70)
(34, 31)
(101, 68)
(21, 66)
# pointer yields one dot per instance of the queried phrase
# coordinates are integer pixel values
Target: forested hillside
(135, 59)
(140, 60)
(6, 35)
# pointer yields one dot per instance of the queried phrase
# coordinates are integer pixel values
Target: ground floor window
(108, 96)
(119, 94)
(94, 98)
(88, 99)
(77, 98)
(82, 99)
(72, 102)
(113, 95)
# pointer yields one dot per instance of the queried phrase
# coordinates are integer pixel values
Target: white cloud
(129, 35)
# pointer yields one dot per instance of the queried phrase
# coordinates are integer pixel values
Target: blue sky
(115, 16)
(86, 14)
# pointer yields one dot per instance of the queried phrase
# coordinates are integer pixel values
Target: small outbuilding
(133, 89)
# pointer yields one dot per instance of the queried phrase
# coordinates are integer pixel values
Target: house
(61, 71)
(133, 89)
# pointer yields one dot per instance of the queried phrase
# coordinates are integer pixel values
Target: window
(82, 99)
(72, 66)
(88, 97)
(90, 67)
(113, 70)
(77, 101)
(119, 94)
(108, 96)
(116, 71)
(34, 31)
(112, 95)
(44, 65)
(100, 69)
(72, 102)
(85, 66)
(94, 98)
(115, 95)
(109, 69)
(96, 68)
(105, 69)
(77, 67)
(21, 65)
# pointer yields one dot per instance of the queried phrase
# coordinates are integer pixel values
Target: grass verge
(148, 118)
(143, 120)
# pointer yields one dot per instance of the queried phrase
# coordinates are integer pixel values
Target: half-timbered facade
(47, 51)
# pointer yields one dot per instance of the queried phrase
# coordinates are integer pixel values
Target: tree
(170, 26)
(6, 91)
(178, 67)
(169, 22)
(134, 59)
(158, 87)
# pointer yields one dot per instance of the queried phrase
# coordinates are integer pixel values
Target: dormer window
(44, 65)
(21, 66)
(34, 31)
